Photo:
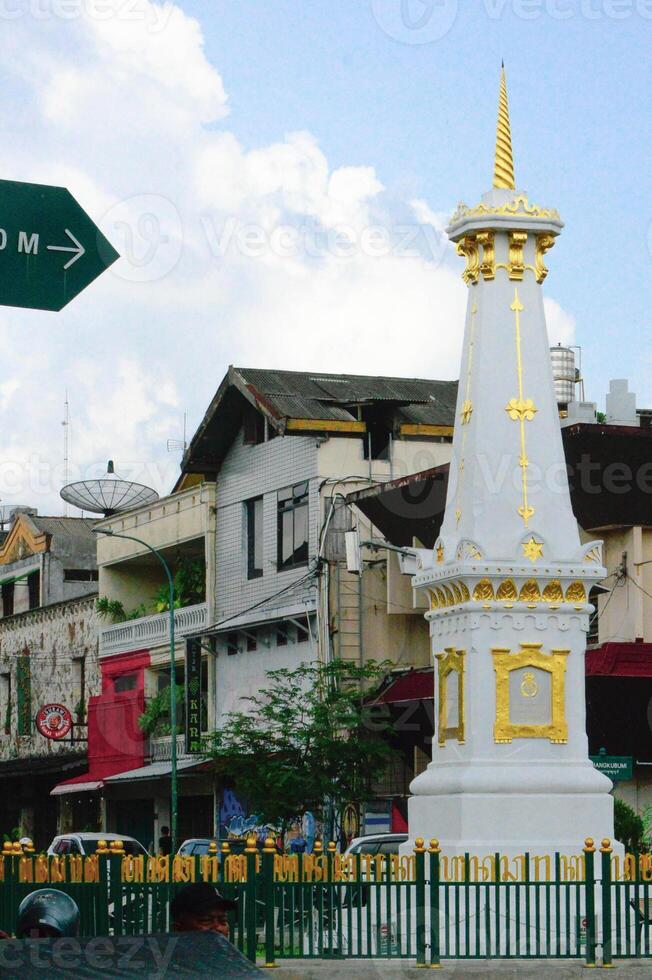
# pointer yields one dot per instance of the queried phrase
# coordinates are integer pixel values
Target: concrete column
(637, 574)
(21, 596)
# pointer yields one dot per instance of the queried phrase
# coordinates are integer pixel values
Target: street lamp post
(173, 678)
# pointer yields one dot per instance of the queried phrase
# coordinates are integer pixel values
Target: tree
(628, 827)
(307, 738)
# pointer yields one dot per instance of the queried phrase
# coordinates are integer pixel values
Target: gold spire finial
(503, 163)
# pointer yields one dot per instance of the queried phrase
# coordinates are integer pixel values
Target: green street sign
(616, 767)
(49, 248)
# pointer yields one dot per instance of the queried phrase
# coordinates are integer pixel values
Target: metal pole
(173, 679)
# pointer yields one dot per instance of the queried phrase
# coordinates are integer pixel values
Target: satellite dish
(109, 495)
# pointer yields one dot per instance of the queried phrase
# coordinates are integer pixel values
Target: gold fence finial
(503, 160)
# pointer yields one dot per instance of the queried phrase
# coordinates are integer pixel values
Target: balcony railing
(152, 631)
(160, 749)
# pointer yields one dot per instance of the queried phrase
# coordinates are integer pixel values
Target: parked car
(376, 844)
(200, 845)
(86, 843)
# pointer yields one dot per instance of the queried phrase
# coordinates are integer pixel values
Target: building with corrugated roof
(48, 655)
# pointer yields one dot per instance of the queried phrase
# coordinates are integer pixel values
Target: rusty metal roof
(283, 395)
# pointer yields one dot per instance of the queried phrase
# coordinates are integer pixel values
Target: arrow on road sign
(36, 223)
(77, 248)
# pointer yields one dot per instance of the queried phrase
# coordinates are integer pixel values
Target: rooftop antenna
(66, 428)
(174, 445)
(108, 495)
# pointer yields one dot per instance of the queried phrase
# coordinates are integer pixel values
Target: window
(281, 637)
(232, 647)
(7, 598)
(251, 642)
(293, 526)
(80, 575)
(126, 682)
(254, 512)
(254, 427)
(378, 435)
(34, 589)
(303, 633)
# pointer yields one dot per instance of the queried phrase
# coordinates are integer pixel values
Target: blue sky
(184, 128)
(423, 114)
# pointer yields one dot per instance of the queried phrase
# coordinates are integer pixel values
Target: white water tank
(564, 374)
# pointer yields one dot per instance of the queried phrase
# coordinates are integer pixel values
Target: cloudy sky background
(277, 176)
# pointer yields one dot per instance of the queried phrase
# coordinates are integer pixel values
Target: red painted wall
(115, 742)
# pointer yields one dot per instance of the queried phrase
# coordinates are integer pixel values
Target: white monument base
(539, 808)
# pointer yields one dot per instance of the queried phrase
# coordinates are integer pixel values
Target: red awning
(620, 660)
(413, 685)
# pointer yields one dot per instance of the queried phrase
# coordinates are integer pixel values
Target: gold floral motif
(466, 549)
(441, 596)
(576, 592)
(440, 553)
(553, 592)
(544, 242)
(449, 662)
(434, 601)
(483, 591)
(450, 598)
(468, 247)
(466, 412)
(507, 590)
(530, 592)
(594, 555)
(521, 410)
(457, 593)
(516, 267)
(533, 549)
(466, 595)
(518, 206)
(488, 264)
(530, 655)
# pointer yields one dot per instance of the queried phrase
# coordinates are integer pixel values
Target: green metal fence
(424, 906)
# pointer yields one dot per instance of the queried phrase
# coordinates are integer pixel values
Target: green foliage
(79, 710)
(189, 586)
(189, 589)
(111, 609)
(307, 738)
(628, 827)
(7, 728)
(600, 417)
(155, 720)
(24, 695)
(13, 835)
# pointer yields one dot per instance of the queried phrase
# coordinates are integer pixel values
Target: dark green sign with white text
(193, 696)
(616, 767)
(49, 248)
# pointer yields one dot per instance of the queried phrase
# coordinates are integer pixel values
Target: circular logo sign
(54, 721)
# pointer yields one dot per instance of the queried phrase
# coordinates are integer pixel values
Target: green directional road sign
(49, 248)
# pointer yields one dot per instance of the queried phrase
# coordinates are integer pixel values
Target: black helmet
(48, 912)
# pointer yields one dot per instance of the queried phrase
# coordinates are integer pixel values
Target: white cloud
(560, 323)
(263, 255)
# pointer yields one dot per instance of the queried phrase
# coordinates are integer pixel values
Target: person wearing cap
(200, 907)
(47, 913)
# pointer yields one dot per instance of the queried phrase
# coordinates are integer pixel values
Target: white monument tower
(508, 580)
